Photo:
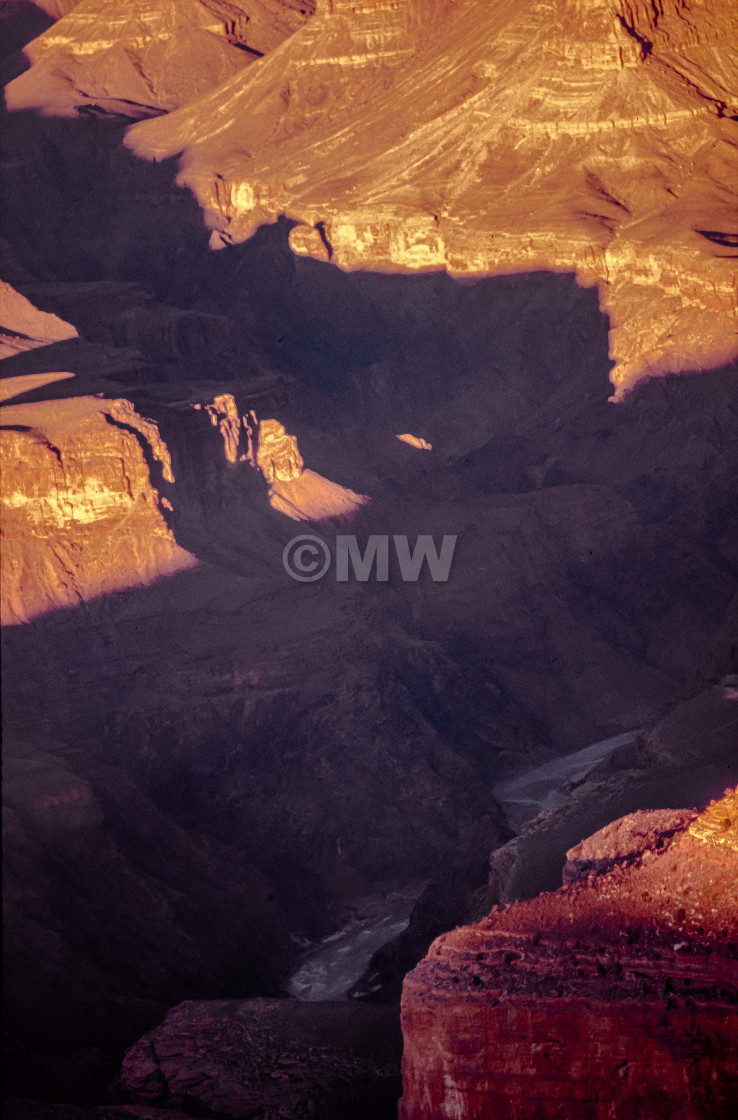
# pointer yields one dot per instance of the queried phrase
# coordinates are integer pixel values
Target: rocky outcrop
(151, 57)
(615, 996)
(277, 455)
(270, 1057)
(301, 495)
(82, 514)
(415, 441)
(268, 447)
(401, 144)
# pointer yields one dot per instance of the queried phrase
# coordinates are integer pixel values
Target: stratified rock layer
(612, 998)
(81, 515)
(148, 56)
(592, 137)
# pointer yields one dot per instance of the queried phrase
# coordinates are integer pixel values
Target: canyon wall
(490, 138)
(148, 57)
(81, 514)
(613, 997)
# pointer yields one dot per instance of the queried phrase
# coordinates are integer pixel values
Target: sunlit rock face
(24, 327)
(416, 441)
(148, 56)
(614, 996)
(483, 138)
(302, 495)
(81, 515)
(277, 455)
(269, 448)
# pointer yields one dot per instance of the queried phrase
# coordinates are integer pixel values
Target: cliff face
(150, 56)
(81, 514)
(612, 997)
(487, 138)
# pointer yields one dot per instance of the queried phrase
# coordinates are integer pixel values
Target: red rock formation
(611, 998)
(149, 56)
(485, 138)
(81, 515)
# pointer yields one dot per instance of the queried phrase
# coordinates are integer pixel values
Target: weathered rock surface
(270, 1057)
(81, 515)
(624, 842)
(402, 143)
(613, 997)
(150, 56)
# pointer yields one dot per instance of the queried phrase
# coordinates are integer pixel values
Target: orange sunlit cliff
(81, 515)
(148, 56)
(614, 996)
(591, 136)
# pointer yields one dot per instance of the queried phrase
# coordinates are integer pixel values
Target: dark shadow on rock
(20, 21)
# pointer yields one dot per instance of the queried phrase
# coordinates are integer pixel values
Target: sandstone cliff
(81, 516)
(484, 138)
(149, 56)
(613, 997)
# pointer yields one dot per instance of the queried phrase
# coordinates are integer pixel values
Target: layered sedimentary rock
(487, 138)
(81, 514)
(615, 996)
(148, 56)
